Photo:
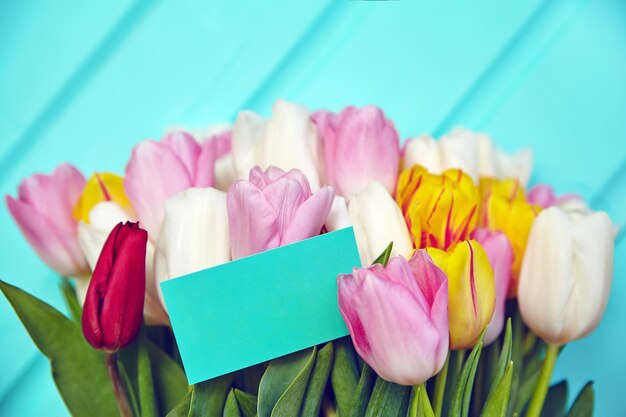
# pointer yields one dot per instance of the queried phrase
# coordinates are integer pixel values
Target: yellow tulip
(440, 210)
(103, 186)
(504, 207)
(471, 291)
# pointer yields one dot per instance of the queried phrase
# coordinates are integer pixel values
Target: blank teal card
(260, 307)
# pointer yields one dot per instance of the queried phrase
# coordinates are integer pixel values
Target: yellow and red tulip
(440, 210)
(471, 291)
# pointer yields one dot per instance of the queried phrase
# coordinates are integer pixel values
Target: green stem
(440, 387)
(416, 397)
(118, 390)
(544, 382)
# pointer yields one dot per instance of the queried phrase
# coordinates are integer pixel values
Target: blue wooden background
(84, 81)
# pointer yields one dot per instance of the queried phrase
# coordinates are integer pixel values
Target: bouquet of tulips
(470, 283)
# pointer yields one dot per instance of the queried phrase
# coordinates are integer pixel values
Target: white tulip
(338, 217)
(377, 220)
(103, 217)
(194, 235)
(566, 274)
(286, 140)
(472, 152)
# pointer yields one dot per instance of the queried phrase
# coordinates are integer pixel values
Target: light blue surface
(85, 81)
(263, 306)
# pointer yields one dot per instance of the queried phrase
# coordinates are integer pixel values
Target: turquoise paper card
(260, 307)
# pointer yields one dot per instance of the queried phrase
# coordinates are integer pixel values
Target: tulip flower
(287, 140)
(543, 196)
(398, 317)
(113, 307)
(500, 254)
(504, 208)
(493, 162)
(437, 156)
(194, 235)
(359, 146)
(274, 208)
(338, 217)
(43, 212)
(566, 274)
(158, 170)
(377, 220)
(471, 291)
(440, 210)
(474, 153)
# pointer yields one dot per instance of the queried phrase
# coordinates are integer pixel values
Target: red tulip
(113, 307)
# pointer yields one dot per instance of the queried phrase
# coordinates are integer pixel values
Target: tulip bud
(194, 235)
(471, 291)
(377, 220)
(286, 140)
(566, 274)
(500, 254)
(157, 171)
(397, 317)
(504, 208)
(274, 208)
(359, 146)
(543, 195)
(113, 307)
(43, 212)
(440, 210)
(101, 187)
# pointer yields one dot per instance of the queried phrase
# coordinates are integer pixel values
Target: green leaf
(363, 391)
(525, 392)
(506, 352)
(231, 408)
(69, 295)
(497, 402)
(388, 399)
(424, 408)
(182, 408)
(170, 382)
(247, 403)
(208, 397)
(344, 375)
(583, 404)
(383, 258)
(317, 382)
(556, 401)
(79, 371)
(147, 401)
(517, 356)
(283, 385)
(463, 390)
(129, 388)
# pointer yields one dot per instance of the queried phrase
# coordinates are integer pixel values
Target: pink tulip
(274, 208)
(158, 170)
(543, 196)
(398, 317)
(500, 254)
(43, 212)
(359, 146)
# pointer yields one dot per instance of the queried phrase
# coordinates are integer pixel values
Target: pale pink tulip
(159, 170)
(543, 195)
(359, 146)
(398, 317)
(500, 254)
(274, 208)
(43, 212)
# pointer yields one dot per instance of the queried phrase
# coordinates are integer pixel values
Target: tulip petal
(309, 217)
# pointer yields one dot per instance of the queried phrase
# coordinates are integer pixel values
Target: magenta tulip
(274, 208)
(113, 307)
(359, 146)
(158, 170)
(398, 317)
(500, 254)
(43, 212)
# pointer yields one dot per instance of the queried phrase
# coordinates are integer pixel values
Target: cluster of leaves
(330, 379)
